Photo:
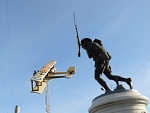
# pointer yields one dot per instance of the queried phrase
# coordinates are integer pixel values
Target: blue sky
(33, 32)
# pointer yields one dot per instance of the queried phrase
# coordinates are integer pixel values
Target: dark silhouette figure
(101, 57)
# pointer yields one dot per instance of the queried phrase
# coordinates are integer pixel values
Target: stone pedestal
(120, 101)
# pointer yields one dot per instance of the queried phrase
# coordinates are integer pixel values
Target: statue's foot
(129, 82)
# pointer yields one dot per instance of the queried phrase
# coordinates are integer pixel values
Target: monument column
(17, 109)
(119, 101)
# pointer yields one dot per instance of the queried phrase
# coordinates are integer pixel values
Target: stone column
(119, 101)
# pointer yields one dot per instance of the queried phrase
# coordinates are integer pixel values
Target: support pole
(47, 103)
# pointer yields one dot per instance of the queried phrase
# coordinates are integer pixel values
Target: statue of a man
(101, 57)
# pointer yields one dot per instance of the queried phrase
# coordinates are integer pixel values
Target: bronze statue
(101, 57)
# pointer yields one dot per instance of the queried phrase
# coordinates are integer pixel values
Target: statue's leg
(108, 74)
(117, 78)
(127, 80)
(98, 73)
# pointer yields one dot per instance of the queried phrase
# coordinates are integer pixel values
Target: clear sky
(33, 32)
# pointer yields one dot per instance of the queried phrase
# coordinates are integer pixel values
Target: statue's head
(86, 42)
